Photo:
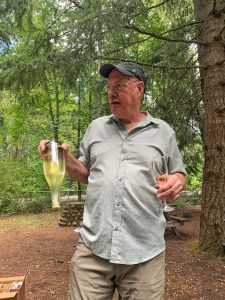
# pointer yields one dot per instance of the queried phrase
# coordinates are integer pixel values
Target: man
(121, 241)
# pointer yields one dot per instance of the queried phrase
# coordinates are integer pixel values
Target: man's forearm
(76, 169)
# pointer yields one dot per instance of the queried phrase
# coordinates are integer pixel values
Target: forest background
(50, 53)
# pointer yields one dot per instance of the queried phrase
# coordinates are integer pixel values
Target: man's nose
(112, 92)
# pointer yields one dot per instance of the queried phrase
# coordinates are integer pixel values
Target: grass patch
(28, 221)
(195, 247)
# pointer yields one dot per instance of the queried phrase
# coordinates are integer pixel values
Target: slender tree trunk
(98, 104)
(90, 107)
(79, 136)
(51, 111)
(212, 57)
(57, 113)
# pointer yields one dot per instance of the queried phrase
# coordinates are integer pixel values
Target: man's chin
(116, 114)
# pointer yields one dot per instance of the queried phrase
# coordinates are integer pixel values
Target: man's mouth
(113, 102)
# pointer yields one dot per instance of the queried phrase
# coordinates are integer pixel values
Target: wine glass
(54, 170)
(162, 179)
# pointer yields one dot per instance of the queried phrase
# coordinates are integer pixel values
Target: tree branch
(102, 57)
(157, 36)
(149, 8)
(157, 5)
(76, 4)
(167, 66)
(178, 28)
(59, 16)
(13, 8)
(126, 46)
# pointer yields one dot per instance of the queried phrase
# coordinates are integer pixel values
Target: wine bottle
(54, 171)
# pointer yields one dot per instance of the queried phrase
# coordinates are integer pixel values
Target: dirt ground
(35, 245)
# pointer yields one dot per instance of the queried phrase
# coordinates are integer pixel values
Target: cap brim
(106, 69)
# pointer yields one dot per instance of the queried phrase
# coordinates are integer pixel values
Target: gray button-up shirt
(122, 219)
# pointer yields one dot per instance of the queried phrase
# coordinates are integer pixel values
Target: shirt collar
(149, 119)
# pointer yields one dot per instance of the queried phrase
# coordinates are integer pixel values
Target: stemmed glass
(162, 179)
(54, 170)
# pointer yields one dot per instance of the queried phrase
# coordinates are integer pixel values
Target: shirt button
(118, 203)
(116, 229)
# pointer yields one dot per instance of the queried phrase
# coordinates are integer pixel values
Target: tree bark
(212, 57)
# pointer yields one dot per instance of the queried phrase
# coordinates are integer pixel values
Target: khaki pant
(95, 278)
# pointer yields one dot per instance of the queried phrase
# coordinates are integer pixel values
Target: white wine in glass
(54, 170)
(162, 179)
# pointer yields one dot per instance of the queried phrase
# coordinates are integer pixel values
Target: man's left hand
(172, 188)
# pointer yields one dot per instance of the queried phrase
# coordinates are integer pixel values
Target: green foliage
(37, 204)
(185, 201)
(195, 181)
(17, 185)
(50, 87)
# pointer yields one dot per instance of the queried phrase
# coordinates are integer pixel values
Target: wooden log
(179, 219)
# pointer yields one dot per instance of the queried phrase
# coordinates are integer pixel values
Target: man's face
(124, 93)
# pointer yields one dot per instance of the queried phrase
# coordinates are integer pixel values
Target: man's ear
(141, 88)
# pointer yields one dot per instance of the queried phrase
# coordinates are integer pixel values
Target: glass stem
(163, 202)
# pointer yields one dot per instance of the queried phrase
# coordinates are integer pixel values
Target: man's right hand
(73, 166)
(41, 147)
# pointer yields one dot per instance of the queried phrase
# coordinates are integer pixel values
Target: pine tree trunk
(79, 193)
(212, 57)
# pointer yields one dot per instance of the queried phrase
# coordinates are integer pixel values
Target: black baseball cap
(127, 68)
